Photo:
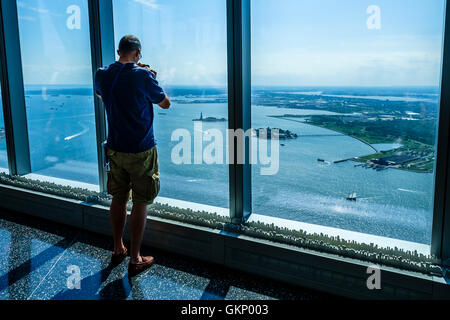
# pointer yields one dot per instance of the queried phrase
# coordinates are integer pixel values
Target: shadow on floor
(38, 255)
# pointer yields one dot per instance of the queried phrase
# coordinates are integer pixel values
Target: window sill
(382, 242)
(63, 182)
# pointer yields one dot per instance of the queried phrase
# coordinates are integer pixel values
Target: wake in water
(362, 216)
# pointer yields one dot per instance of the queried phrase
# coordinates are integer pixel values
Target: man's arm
(155, 88)
(165, 104)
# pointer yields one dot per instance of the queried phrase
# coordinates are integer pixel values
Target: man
(129, 90)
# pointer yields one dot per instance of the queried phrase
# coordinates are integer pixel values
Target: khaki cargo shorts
(134, 175)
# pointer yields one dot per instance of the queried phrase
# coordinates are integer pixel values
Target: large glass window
(354, 87)
(3, 152)
(185, 42)
(56, 57)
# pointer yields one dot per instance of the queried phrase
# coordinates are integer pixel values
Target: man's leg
(118, 217)
(137, 225)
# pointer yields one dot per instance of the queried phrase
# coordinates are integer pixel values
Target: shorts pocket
(109, 183)
(153, 187)
(110, 153)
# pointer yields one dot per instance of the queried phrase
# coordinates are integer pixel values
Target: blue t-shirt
(129, 106)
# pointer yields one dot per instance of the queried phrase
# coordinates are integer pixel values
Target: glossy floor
(40, 260)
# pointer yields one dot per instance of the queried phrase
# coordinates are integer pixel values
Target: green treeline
(379, 131)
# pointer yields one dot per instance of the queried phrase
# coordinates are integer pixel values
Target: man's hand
(154, 72)
(165, 104)
(146, 66)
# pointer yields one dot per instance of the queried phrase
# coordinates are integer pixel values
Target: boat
(352, 197)
(320, 160)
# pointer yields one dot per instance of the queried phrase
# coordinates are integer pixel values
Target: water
(391, 203)
(387, 146)
(62, 135)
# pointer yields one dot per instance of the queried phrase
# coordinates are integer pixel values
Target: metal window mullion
(440, 232)
(445, 104)
(13, 92)
(239, 108)
(102, 52)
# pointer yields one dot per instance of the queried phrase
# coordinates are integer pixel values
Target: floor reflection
(35, 256)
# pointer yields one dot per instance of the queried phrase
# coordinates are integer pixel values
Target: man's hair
(129, 44)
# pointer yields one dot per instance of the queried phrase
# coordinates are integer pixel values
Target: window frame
(102, 53)
(239, 108)
(13, 91)
(239, 89)
(440, 246)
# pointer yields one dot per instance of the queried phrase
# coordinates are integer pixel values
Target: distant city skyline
(294, 43)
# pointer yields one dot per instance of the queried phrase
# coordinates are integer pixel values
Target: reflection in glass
(57, 70)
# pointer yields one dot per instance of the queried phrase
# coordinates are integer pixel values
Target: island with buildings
(273, 133)
(209, 119)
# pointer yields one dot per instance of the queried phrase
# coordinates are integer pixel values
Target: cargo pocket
(109, 183)
(115, 186)
(153, 187)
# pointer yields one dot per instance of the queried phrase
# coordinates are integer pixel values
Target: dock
(344, 160)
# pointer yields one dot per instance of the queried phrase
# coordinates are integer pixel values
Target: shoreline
(353, 159)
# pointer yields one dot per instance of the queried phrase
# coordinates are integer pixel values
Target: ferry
(352, 197)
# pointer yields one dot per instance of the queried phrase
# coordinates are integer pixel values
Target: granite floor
(40, 260)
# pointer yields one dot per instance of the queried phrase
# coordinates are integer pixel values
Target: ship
(352, 197)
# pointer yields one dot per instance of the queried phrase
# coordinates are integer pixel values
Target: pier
(344, 160)
(351, 159)
(321, 135)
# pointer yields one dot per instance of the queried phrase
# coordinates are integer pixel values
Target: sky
(294, 42)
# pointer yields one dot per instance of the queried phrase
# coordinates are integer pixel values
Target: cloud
(389, 60)
(38, 10)
(27, 18)
(148, 3)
